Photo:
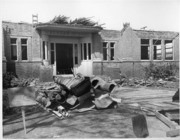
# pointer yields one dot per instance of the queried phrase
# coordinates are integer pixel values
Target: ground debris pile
(11, 80)
(170, 82)
(79, 93)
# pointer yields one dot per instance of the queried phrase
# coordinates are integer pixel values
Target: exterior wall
(129, 68)
(176, 48)
(129, 49)
(97, 47)
(129, 46)
(23, 68)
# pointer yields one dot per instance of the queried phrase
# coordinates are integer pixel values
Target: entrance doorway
(64, 58)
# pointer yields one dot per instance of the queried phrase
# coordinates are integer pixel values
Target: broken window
(89, 50)
(52, 53)
(24, 49)
(105, 48)
(76, 53)
(112, 51)
(44, 50)
(145, 49)
(157, 55)
(168, 49)
(14, 48)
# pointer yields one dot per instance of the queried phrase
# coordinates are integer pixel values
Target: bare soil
(107, 123)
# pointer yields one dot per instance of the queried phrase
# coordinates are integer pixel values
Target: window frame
(74, 54)
(149, 51)
(108, 49)
(85, 51)
(111, 48)
(12, 44)
(157, 49)
(105, 48)
(26, 48)
(51, 53)
(172, 50)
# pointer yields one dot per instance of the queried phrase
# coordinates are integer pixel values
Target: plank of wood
(166, 120)
(173, 103)
(172, 116)
(24, 119)
(146, 97)
(173, 133)
(162, 118)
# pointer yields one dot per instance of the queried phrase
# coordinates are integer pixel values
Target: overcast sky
(155, 14)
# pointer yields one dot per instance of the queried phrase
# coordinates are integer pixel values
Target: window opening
(13, 48)
(145, 49)
(157, 55)
(168, 49)
(24, 49)
(52, 53)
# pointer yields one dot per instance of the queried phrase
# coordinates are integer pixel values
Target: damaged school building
(58, 49)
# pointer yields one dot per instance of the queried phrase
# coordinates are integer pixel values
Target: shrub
(160, 71)
(7, 78)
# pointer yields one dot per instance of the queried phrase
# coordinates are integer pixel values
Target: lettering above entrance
(64, 33)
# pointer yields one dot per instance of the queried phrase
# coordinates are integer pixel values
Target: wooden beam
(172, 116)
(166, 120)
(173, 133)
(24, 119)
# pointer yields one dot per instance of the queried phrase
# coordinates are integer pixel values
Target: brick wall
(30, 67)
(25, 69)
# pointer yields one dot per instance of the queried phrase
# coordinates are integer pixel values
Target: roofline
(67, 26)
(21, 22)
(154, 31)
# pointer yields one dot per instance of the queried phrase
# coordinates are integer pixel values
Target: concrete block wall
(130, 69)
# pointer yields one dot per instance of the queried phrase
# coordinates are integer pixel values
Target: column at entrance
(45, 50)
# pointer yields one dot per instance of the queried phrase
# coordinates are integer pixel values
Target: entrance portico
(67, 48)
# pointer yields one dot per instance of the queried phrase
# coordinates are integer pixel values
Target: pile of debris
(79, 93)
(169, 82)
(10, 80)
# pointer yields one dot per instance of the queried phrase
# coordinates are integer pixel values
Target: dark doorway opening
(64, 58)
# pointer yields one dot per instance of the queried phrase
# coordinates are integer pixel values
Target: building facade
(29, 49)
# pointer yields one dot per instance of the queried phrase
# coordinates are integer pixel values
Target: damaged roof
(67, 27)
(156, 34)
(110, 34)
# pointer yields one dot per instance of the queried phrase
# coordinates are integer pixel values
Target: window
(157, 55)
(24, 49)
(85, 52)
(76, 53)
(44, 50)
(52, 53)
(145, 49)
(112, 51)
(81, 51)
(105, 48)
(14, 48)
(89, 50)
(168, 50)
(108, 50)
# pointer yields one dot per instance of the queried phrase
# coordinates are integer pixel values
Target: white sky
(155, 14)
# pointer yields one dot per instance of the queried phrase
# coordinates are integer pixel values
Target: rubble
(170, 82)
(67, 94)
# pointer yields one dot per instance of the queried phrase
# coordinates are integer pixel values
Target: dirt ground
(108, 123)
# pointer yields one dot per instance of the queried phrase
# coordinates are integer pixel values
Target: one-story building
(30, 49)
